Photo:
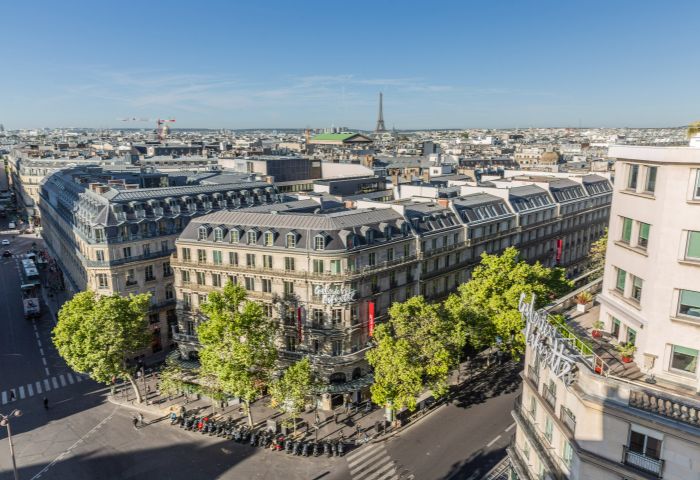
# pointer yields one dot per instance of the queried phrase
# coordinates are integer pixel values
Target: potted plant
(583, 300)
(597, 330)
(626, 351)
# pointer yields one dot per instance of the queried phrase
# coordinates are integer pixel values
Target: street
(84, 436)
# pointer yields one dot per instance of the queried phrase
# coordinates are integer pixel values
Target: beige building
(585, 412)
(114, 231)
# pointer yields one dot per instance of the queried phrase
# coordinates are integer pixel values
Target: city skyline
(282, 66)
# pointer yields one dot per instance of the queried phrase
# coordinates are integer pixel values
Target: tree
(238, 351)
(436, 339)
(290, 391)
(597, 253)
(488, 303)
(398, 374)
(98, 334)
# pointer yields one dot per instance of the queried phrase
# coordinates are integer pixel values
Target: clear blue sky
(297, 64)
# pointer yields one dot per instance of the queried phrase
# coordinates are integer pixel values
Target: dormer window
(351, 241)
(269, 238)
(218, 234)
(202, 233)
(404, 229)
(320, 242)
(291, 240)
(235, 235)
(252, 237)
(370, 236)
(387, 232)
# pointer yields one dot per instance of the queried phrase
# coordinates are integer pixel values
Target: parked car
(5, 242)
(7, 253)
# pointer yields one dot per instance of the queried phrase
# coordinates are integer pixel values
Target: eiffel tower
(380, 121)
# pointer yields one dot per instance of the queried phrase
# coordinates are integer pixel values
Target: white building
(608, 419)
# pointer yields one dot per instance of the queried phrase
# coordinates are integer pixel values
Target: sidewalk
(355, 425)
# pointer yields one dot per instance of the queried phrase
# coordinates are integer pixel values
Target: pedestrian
(335, 417)
(46, 403)
(141, 419)
(135, 421)
(12, 395)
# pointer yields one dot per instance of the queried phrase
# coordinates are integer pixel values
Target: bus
(31, 289)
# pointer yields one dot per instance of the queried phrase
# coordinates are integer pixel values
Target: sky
(299, 64)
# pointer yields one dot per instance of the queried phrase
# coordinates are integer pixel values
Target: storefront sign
(550, 348)
(334, 295)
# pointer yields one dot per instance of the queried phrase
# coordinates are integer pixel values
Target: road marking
(388, 469)
(78, 442)
(43, 360)
(54, 382)
(46, 384)
(38, 387)
(510, 427)
(37, 335)
(39, 342)
(369, 465)
(359, 454)
(493, 441)
(70, 378)
(41, 350)
(4, 397)
(63, 380)
(47, 371)
(30, 390)
(21, 392)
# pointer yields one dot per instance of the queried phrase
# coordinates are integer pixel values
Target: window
(267, 261)
(693, 248)
(697, 184)
(336, 316)
(252, 237)
(335, 267)
(567, 453)
(202, 234)
(201, 256)
(167, 270)
(684, 359)
(319, 242)
(620, 283)
(645, 445)
(269, 239)
(216, 279)
(318, 266)
(689, 303)
(626, 230)
(201, 278)
(317, 317)
(185, 275)
(218, 235)
(266, 285)
(337, 347)
(631, 335)
(217, 257)
(289, 263)
(149, 273)
(169, 292)
(651, 180)
(372, 259)
(249, 283)
(146, 249)
(102, 280)
(233, 258)
(632, 177)
(548, 428)
(615, 328)
(291, 240)
(637, 288)
(186, 254)
(250, 259)
(643, 239)
(533, 406)
(235, 236)
(127, 252)
(100, 255)
(131, 277)
(406, 249)
(389, 254)
(153, 318)
(289, 288)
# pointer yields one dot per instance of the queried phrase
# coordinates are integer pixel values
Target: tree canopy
(98, 334)
(597, 253)
(238, 353)
(290, 391)
(488, 303)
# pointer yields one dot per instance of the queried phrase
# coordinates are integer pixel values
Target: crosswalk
(40, 387)
(372, 462)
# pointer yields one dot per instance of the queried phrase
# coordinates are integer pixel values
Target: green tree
(488, 303)
(398, 374)
(238, 353)
(289, 392)
(597, 253)
(98, 334)
(436, 339)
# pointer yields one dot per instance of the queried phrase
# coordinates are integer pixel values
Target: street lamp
(5, 422)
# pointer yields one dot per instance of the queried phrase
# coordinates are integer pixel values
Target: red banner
(560, 247)
(370, 318)
(300, 314)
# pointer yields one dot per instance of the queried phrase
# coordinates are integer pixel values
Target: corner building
(616, 418)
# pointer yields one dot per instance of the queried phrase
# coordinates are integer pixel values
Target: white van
(11, 225)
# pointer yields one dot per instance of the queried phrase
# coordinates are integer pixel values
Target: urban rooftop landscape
(268, 240)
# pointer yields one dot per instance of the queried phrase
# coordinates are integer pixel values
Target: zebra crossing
(40, 386)
(372, 462)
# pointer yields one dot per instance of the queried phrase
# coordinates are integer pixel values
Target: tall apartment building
(114, 230)
(587, 414)
(328, 273)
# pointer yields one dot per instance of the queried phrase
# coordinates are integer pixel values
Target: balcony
(678, 409)
(641, 462)
(186, 339)
(340, 359)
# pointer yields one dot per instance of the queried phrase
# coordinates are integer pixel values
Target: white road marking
(510, 427)
(38, 387)
(367, 465)
(70, 378)
(79, 377)
(37, 335)
(47, 371)
(43, 361)
(46, 384)
(388, 469)
(21, 392)
(63, 380)
(356, 456)
(41, 350)
(30, 390)
(39, 342)
(493, 441)
(4, 397)
(54, 382)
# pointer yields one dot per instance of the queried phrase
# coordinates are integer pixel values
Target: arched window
(356, 373)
